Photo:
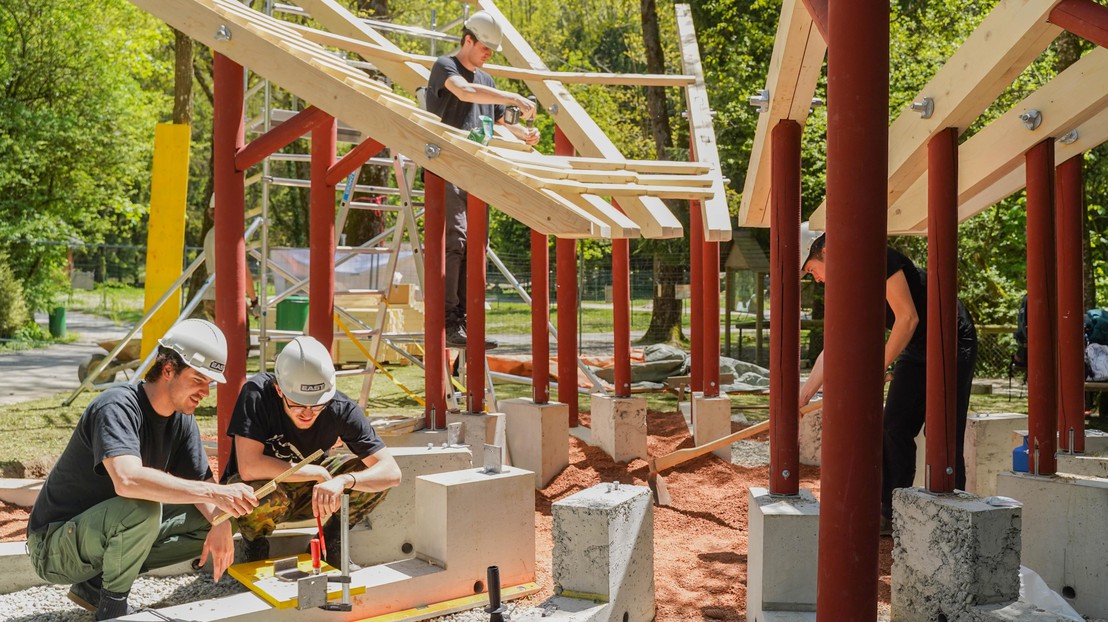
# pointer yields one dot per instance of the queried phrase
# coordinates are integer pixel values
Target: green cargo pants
(117, 538)
(293, 501)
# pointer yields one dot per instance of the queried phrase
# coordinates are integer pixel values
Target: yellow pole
(165, 237)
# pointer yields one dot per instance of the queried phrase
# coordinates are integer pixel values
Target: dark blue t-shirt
(453, 111)
(917, 285)
(119, 422)
(259, 415)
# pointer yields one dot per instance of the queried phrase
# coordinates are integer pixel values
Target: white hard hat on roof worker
(807, 239)
(485, 28)
(305, 372)
(202, 346)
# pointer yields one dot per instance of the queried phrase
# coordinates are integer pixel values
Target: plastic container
(292, 314)
(57, 322)
(1020, 457)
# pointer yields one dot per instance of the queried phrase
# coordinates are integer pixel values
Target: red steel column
(621, 315)
(1084, 18)
(321, 235)
(1071, 311)
(1042, 310)
(566, 262)
(942, 310)
(857, 218)
(540, 318)
(434, 297)
(784, 296)
(709, 313)
(696, 278)
(477, 227)
(228, 137)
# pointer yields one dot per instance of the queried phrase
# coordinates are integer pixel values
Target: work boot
(456, 337)
(255, 550)
(112, 605)
(86, 593)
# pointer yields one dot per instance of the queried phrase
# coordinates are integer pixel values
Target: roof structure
(568, 197)
(990, 164)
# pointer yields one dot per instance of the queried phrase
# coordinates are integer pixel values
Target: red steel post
(784, 296)
(1042, 310)
(540, 318)
(1084, 18)
(280, 137)
(434, 296)
(321, 235)
(477, 241)
(942, 310)
(228, 137)
(1071, 307)
(566, 263)
(352, 160)
(709, 323)
(857, 195)
(696, 303)
(621, 315)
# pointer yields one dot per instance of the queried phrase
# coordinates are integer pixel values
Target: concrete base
(989, 449)
(539, 437)
(604, 550)
(1015, 612)
(711, 420)
(619, 426)
(782, 537)
(951, 553)
(810, 437)
(1083, 465)
(21, 492)
(1064, 521)
(478, 430)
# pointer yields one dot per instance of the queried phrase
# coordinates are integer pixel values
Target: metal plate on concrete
(283, 594)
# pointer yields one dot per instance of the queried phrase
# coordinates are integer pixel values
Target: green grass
(123, 304)
(506, 317)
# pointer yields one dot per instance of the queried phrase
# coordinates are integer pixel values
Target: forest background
(83, 84)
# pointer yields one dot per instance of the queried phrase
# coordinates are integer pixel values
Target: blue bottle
(1020, 457)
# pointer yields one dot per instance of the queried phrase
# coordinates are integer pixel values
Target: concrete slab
(1065, 518)
(1014, 612)
(1083, 465)
(619, 426)
(604, 550)
(562, 609)
(951, 553)
(810, 437)
(21, 492)
(711, 421)
(538, 435)
(989, 449)
(478, 429)
(782, 538)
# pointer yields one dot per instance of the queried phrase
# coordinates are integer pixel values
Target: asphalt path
(30, 374)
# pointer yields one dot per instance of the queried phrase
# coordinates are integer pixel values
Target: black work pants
(906, 411)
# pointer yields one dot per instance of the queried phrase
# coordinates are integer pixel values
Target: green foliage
(80, 91)
(13, 312)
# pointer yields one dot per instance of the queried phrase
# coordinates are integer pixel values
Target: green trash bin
(292, 314)
(57, 322)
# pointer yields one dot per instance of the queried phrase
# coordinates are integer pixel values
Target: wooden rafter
(714, 212)
(794, 70)
(988, 162)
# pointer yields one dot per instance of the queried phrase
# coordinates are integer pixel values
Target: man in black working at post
(460, 93)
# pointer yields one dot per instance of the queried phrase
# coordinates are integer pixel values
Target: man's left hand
(220, 544)
(528, 135)
(327, 496)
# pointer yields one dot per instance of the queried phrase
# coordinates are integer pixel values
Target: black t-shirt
(917, 285)
(259, 415)
(119, 422)
(453, 111)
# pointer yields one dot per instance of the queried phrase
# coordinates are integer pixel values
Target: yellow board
(165, 238)
(451, 606)
(258, 576)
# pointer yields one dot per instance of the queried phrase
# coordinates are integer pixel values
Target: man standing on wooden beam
(460, 93)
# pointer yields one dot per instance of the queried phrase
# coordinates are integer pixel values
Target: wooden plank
(569, 186)
(715, 216)
(794, 70)
(372, 52)
(393, 128)
(651, 214)
(622, 226)
(1072, 98)
(601, 164)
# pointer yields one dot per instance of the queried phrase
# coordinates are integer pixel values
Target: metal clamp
(223, 33)
(432, 150)
(1069, 138)
(1032, 119)
(760, 100)
(925, 107)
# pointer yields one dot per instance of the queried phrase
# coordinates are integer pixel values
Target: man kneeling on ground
(132, 490)
(284, 417)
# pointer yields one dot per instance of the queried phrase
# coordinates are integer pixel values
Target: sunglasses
(318, 408)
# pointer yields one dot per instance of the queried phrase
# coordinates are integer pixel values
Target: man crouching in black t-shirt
(284, 417)
(132, 490)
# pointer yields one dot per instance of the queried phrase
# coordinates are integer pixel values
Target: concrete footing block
(711, 420)
(478, 429)
(951, 553)
(538, 435)
(810, 433)
(782, 537)
(1083, 465)
(21, 492)
(989, 449)
(619, 426)
(1065, 518)
(604, 551)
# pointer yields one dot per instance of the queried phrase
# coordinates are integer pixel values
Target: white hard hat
(485, 28)
(305, 372)
(201, 344)
(807, 239)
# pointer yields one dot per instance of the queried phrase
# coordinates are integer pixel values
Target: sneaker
(456, 337)
(255, 550)
(86, 593)
(113, 605)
